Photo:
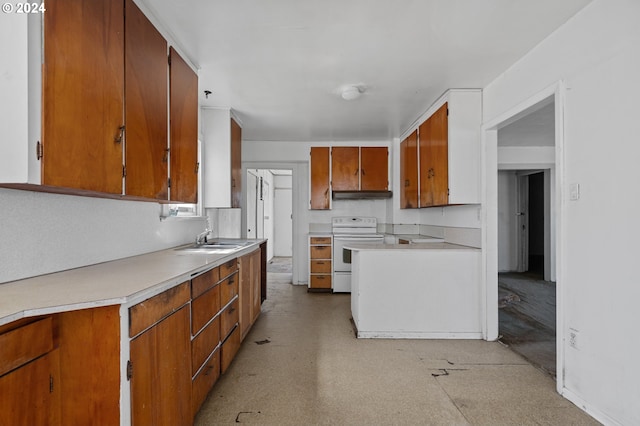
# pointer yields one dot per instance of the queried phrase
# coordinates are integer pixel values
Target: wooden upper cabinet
(319, 169)
(434, 154)
(409, 172)
(374, 168)
(236, 164)
(83, 87)
(146, 143)
(183, 95)
(345, 168)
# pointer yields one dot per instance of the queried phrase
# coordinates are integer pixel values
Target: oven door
(342, 257)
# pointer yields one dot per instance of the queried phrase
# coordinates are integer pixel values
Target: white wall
(596, 54)
(42, 233)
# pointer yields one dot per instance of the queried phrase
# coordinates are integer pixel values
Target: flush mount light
(350, 93)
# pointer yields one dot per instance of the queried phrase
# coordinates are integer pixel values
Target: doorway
(521, 151)
(270, 210)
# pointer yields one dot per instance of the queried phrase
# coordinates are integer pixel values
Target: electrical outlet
(573, 338)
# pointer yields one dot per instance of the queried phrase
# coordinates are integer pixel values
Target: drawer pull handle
(209, 368)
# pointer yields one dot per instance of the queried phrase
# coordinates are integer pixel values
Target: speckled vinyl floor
(314, 371)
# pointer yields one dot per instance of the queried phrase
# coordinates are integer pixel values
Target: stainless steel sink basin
(215, 247)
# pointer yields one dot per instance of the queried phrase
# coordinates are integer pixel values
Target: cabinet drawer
(229, 349)
(203, 308)
(228, 268)
(145, 314)
(203, 282)
(228, 289)
(320, 281)
(320, 266)
(320, 240)
(229, 318)
(204, 343)
(204, 381)
(320, 252)
(24, 344)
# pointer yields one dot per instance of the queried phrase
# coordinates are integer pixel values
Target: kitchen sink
(216, 247)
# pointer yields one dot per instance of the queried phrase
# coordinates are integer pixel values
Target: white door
(252, 196)
(283, 223)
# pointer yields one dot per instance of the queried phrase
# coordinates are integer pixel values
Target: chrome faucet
(201, 238)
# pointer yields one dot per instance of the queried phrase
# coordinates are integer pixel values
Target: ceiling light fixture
(350, 93)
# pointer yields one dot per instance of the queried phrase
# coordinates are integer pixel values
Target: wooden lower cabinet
(29, 374)
(65, 368)
(229, 349)
(205, 379)
(27, 394)
(250, 290)
(161, 373)
(320, 263)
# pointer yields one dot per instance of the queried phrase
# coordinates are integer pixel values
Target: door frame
(298, 195)
(489, 197)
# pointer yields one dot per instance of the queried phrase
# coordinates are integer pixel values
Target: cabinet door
(183, 95)
(345, 168)
(409, 172)
(433, 142)
(374, 168)
(161, 373)
(245, 294)
(319, 165)
(256, 260)
(146, 154)
(236, 164)
(30, 394)
(83, 87)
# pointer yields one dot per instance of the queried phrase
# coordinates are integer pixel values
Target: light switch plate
(574, 191)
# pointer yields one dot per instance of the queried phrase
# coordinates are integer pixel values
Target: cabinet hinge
(50, 383)
(129, 370)
(39, 150)
(447, 112)
(169, 183)
(124, 171)
(169, 59)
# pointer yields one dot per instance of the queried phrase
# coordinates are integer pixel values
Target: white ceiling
(279, 64)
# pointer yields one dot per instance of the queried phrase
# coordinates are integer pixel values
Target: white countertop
(120, 282)
(416, 246)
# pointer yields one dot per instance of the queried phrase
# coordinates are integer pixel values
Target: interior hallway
(301, 364)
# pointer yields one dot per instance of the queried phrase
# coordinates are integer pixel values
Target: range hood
(361, 195)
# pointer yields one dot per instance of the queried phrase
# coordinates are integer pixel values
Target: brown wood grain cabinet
(65, 368)
(374, 168)
(320, 266)
(44, 363)
(236, 164)
(161, 372)
(146, 99)
(183, 95)
(345, 168)
(409, 172)
(434, 156)
(29, 374)
(320, 180)
(110, 125)
(27, 395)
(448, 146)
(249, 291)
(83, 89)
